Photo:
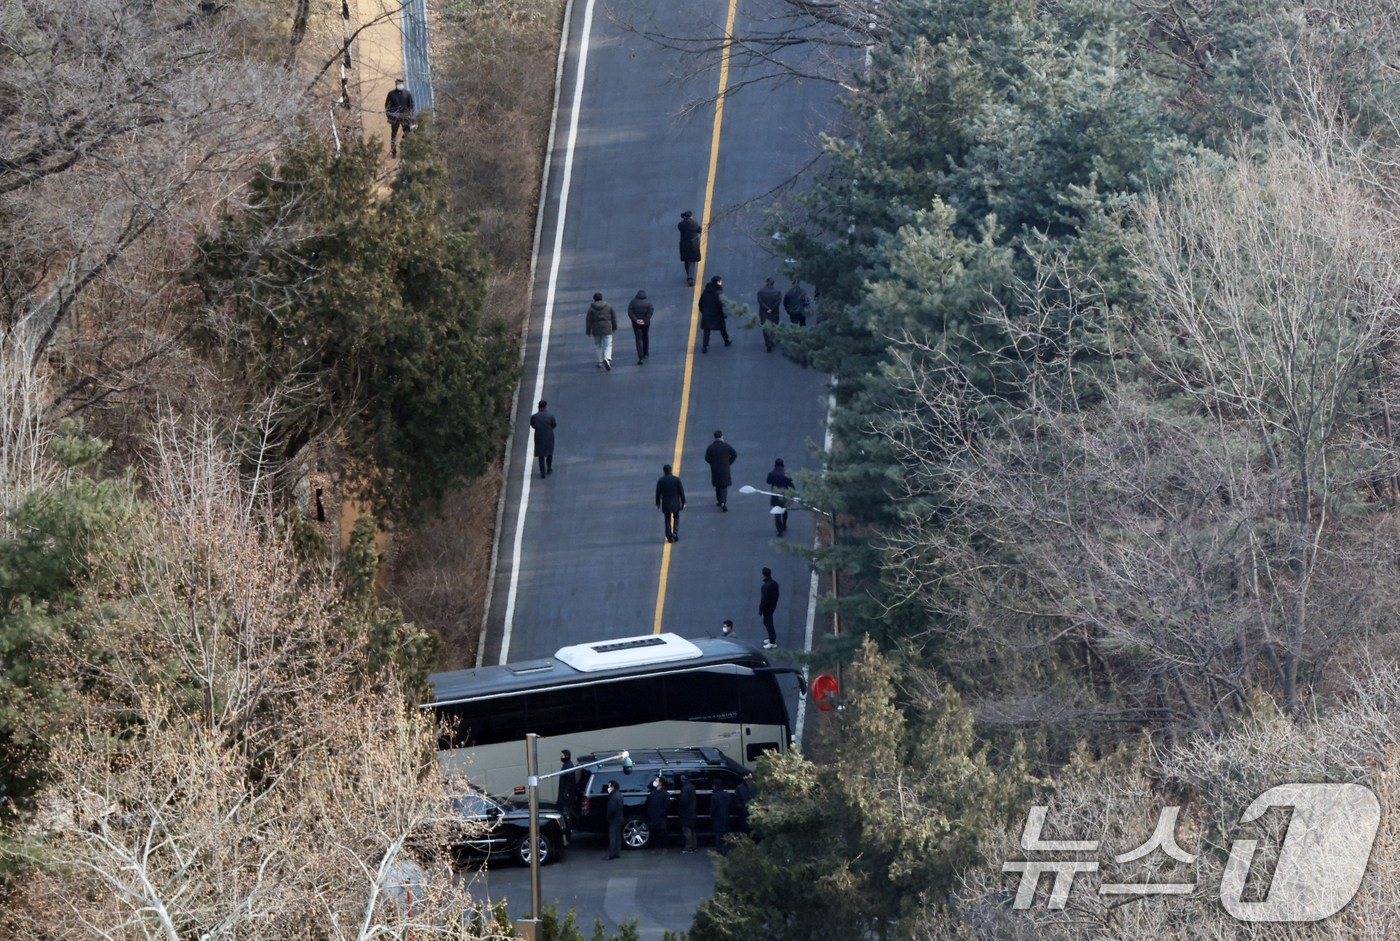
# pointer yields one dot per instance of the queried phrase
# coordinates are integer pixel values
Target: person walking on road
(670, 500)
(719, 455)
(639, 311)
(614, 811)
(719, 817)
(685, 809)
(779, 480)
(795, 303)
(767, 604)
(601, 324)
(544, 425)
(769, 300)
(398, 108)
(658, 806)
(690, 245)
(712, 312)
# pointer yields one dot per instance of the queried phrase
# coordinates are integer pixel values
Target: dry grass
(495, 89)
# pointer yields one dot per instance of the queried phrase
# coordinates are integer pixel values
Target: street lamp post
(526, 926)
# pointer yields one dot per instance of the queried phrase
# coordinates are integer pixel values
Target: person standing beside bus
(719, 817)
(568, 784)
(658, 805)
(614, 820)
(685, 809)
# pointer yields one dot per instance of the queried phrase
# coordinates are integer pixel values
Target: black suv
(706, 767)
(495, 828)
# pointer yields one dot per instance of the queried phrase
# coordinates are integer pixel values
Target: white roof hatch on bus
(627, 652)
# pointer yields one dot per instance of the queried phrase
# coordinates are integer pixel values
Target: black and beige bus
(653, 691)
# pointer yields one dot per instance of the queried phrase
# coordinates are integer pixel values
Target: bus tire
(635, 833)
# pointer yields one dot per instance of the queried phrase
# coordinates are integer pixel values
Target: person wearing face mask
(398, 108)
(658, 806)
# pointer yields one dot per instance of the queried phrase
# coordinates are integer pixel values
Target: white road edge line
(528, 470)
(524, 332)
(812, 591)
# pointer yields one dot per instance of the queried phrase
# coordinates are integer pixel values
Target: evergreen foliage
(860, 848)
(361, 315)
(988, 134)
(44, 569)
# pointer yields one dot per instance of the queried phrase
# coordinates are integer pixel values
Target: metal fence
(417, 66)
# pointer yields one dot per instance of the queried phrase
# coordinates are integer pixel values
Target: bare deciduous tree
(227, 764)
(125, 128)
(1215, 513)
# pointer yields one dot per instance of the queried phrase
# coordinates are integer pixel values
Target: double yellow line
(699, 286)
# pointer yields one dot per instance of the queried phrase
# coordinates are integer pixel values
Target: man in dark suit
(544, 425)
(690, 244)
(769, 301)
(398, 108)
(670, 500)
(767, 604)
(568, 784)
(719, 455)
(779, 480)
(614, 820)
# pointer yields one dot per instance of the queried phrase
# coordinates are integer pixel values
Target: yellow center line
(695, 300)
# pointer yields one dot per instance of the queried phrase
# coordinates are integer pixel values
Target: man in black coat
(690, 245)
(398, 108)
(544, 425)
(719, 817)
(658, 806)
(779, 480)
(743, 794)
(769, 298)
(712, 312)
(568, 784)
(614, 820)
(795, 303)
(767, 604)
(685, 810)
(670, 500)
(719, 455)
(639, 311)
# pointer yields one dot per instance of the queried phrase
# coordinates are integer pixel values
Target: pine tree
(861, 848)
(361, 317)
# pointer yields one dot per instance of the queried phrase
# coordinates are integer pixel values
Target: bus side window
(563, 711)
(762, 700)
(499, 720)
(631, 702)
(702, 697)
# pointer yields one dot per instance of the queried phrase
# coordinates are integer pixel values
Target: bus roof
(622, 660)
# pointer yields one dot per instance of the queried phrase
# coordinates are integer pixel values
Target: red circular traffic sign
(824, 690)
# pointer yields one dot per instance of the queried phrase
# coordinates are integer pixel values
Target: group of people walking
(600, 322)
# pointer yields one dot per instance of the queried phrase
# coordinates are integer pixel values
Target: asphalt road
(660, 889)
(591, 549)
(591, 546)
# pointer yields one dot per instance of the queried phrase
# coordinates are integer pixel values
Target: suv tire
(635, 833)
(522, 850)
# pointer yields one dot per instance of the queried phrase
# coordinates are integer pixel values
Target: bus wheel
(635, 833)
